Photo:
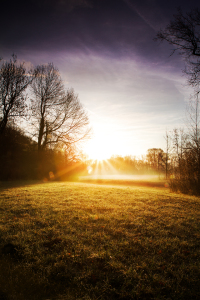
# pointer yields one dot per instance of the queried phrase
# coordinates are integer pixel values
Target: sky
(130, 86)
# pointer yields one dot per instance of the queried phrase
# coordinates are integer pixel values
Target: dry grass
(88, 241)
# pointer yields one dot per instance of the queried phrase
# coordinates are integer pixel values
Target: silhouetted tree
(60, 117)
(186, 157)
(183, 32)
(13, 82)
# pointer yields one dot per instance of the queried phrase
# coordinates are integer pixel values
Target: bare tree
(193, 145)
(13, 82)
(166, 156)
(193, 120)
(186, 156)
(155, 159)
(60, 117)
(179, 140)
(183, 32)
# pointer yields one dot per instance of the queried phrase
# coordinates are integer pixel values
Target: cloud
(126, 93)
(76, 26)
(67, 5)
(134, 8)
(105, 51)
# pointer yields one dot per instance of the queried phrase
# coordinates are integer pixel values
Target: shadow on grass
(4, 185)
(18, 283)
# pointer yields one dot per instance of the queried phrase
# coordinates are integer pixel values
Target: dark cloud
(117, 28)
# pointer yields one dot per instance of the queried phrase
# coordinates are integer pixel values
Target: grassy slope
(99, 242)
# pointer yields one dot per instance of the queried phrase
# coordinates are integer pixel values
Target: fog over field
(121, 177)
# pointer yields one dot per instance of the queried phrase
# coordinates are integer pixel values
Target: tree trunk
(41, 133)
(3, 124)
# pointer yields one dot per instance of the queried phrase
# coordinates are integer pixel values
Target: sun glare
(102, 145)
(97, 150)
(107, 141)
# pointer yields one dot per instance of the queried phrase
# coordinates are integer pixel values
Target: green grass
(89, 241)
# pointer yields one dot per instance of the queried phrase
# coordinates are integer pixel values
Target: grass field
(90, 241)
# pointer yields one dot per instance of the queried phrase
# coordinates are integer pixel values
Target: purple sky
(131, 87)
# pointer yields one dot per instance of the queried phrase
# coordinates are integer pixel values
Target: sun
(97, 149)
(104, 143)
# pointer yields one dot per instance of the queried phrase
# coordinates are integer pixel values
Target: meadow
(78, 240)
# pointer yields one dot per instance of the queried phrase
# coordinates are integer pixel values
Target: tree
(13, 82)
(155, 159)
(60, 117)
(183, 32)
(186, 156)
(193, 144)
(166, 156)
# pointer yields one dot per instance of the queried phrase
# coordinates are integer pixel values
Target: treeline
(19, 159)
(153, 163)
